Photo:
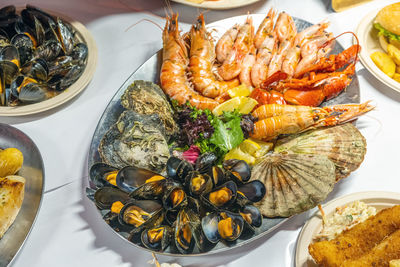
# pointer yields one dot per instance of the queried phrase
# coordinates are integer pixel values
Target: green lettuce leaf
(227, 132)
(386, 33)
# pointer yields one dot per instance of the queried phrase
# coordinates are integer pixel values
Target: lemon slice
(237, 153)
(242, 103)
(241, 90)
(394, 263)
(249, 146)
(248, 105)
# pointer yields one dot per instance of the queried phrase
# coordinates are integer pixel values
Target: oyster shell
(147, 98)
(294, 182)
(342, 144)
(135, 140)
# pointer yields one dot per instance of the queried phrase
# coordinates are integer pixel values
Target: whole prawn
(201, 61)
(265, 42)
(173, 70)
(225, 43)
(232, 65)
(283, 119)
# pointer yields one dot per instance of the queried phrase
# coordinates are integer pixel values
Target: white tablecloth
(69, 231)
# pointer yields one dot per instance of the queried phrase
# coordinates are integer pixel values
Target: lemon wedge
(237, 153)
(242, 103)
(241, 90)
(394, 263)
(249, 146)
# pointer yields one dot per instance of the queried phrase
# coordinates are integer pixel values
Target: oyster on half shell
(147, 98)
(135, 140)
(294, 182)
(342, 144)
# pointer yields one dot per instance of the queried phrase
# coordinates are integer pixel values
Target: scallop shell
(294, 182)
(342, 144)
(147, 98)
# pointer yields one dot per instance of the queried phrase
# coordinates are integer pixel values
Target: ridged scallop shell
(342, 144)
(294, 182)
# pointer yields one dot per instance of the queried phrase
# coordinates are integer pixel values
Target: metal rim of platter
(33, 172)
(149, 71)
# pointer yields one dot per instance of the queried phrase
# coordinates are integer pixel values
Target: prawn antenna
(142, 20)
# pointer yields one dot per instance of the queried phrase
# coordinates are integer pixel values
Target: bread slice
(11, 198)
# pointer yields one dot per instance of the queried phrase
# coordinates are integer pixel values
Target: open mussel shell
(253, 191)
(27, 90)
(342, 144)
(80, 53)
(157, 238)
(104, 197)
(237, 170)
(150, 190)
(102, 174)
(130, 178)
(205, 162)
(65, 35)
(36, 69)
(137, 213)
(49, 50)
(252, 216)
(198, 183)
(223, 225)
(178, 169)
(294, 182)
(174, 196)
(10, 53)
(10, 71)
(217, 175)
(24, 45)
(187, 225)
(221, 196)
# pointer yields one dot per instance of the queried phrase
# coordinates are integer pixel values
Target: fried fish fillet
(357, 241)
(380, 255)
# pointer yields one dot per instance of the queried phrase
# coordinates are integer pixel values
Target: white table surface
(69, 231)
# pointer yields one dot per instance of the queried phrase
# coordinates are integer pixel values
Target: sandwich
(388, 26)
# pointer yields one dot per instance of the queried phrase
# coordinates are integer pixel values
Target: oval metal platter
(33, 172)
(150, 71)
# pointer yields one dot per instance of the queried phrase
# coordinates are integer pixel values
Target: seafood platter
(216, 140)
(21, 189)
(45, 60)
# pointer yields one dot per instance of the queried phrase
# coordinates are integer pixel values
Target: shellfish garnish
(342, 144)
(294, 182)
(135, 140)
(147, 98)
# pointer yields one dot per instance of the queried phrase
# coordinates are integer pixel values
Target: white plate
(369, 42)
(220, 4)
(379, 200)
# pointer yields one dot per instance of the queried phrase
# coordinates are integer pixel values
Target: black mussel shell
(254, 190)
(209, 224)
(4, 40)
(157, 238)
(178, 169)
(31, 12)
(10, 71)
(49, 50)
(80, 53)
(184, 230)
(65, 35)
(217, 176)
(170, 216)
(102, 174)
(251, 215)
(198, 183)
(112, 219)
(70, 77)
(7, 11)
(61, 66)
(174, 197)
(130, 178)
(138, 212)
(237, 170)
(230, 225)
(149, 190)
(36, 69)
(106, 196)
(10, 53)
(24, 45)
(27, 90)
(221, 197)
(205, 162)
(3, 96)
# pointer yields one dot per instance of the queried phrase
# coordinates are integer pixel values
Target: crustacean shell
(342, 144)
(147, 98)
(294, 182)
(135, 140)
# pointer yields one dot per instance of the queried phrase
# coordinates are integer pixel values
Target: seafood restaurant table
(69, 231)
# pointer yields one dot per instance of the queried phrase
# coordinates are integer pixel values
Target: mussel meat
(174, 196)
(237, 170)
(138, 212)
(199, 183)
(224, 225)
(104, 197)
(157, 238)
(102, 174)
(130, 178)
(221, 196)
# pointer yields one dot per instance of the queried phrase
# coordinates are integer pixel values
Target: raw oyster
(342, 144)
(135, 140)
(294, 182)
(147, 98)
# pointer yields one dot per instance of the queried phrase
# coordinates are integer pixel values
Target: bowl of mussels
(193, 211)
(45, 60)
